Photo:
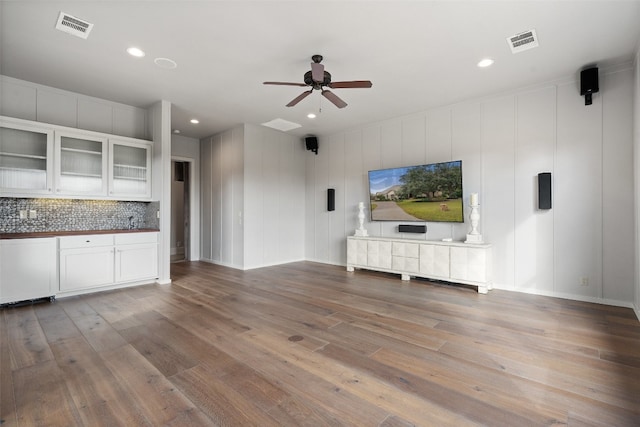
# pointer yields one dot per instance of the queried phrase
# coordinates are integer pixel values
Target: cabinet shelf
(88, 175)
(77, 150)
(23, 156)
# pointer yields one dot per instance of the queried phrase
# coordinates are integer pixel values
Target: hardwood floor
(310, 344)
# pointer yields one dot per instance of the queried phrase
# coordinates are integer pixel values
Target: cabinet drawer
(135, 238)
(86, 241)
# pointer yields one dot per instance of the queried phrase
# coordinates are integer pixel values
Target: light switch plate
(33, 214)
(23, 214)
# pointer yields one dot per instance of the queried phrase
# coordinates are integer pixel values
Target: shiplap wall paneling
(227, 177)
(238, 198)
(273, 198)
(216, 198)
(534, 153)
(578, 200)
(291, 217)
(438, 138)
(337, 180)
(256, 192)
(391, 149)
(206, 164)
(321, 179)
(311, 211)
(617, 185)
(466, 146)
(636, 168)
(356, 187)
(371, 160)
(497, 199)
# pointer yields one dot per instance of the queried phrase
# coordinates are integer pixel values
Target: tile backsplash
(73, 214)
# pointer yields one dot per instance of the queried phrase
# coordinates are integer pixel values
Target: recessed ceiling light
(485, 63)
(134, 51)
(194, 121)
(165, 63)
(311, 116)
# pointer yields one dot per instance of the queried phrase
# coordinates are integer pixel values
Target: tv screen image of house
(425, 193)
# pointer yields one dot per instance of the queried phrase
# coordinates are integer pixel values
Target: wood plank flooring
(312, 345)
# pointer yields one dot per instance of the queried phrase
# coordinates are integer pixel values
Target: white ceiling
(418, 54)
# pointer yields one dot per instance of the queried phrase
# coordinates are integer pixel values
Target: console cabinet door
(379, 254)
(469, 264)
(27, 269)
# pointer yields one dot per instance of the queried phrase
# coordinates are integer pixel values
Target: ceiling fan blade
(285, 84)
(351, 84)
(299, 98)
(334, 98)
(317, 72)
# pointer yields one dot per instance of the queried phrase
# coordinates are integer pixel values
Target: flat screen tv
(425, 193)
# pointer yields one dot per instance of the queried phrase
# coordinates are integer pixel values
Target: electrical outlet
(584, 281)
(158, 214)
(33, 214)
(23, 214)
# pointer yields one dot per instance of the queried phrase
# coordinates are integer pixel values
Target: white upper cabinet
(26, 153)
(81, 164)
(50, 160)
(130, 171)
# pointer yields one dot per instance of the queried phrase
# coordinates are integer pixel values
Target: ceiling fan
(318, 78)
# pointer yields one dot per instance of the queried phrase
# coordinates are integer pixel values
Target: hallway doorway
(180, 210)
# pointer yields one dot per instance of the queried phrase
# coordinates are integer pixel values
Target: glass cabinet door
(130, 169)
(25, 158)
(81, 161)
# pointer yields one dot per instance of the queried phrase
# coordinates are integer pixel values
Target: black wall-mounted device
(544, 190)
(312, 143)
(331, 199)
(589, 84)
(405, 228)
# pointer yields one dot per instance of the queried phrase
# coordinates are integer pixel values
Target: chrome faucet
(131, 223)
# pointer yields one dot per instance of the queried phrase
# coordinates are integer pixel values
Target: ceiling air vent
(523, 41)
(72, 25)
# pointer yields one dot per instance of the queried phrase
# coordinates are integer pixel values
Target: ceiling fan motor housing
(308, 80)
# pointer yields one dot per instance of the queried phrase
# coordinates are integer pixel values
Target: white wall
(274, 204)
(31, 101)
(222, 183)
(504, 142)
(188, 149)
(252, 198)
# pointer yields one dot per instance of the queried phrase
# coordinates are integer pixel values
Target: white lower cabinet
(136, 257)
(451, 261)
(28, 269)
(86, 262)
(106, 260)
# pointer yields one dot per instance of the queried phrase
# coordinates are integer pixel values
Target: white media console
(457, 262)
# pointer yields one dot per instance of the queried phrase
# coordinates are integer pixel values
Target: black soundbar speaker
(544, 190)
(404, 228)
(331, 199)
(311, 143)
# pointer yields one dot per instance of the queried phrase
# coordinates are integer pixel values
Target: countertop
(71, 233)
